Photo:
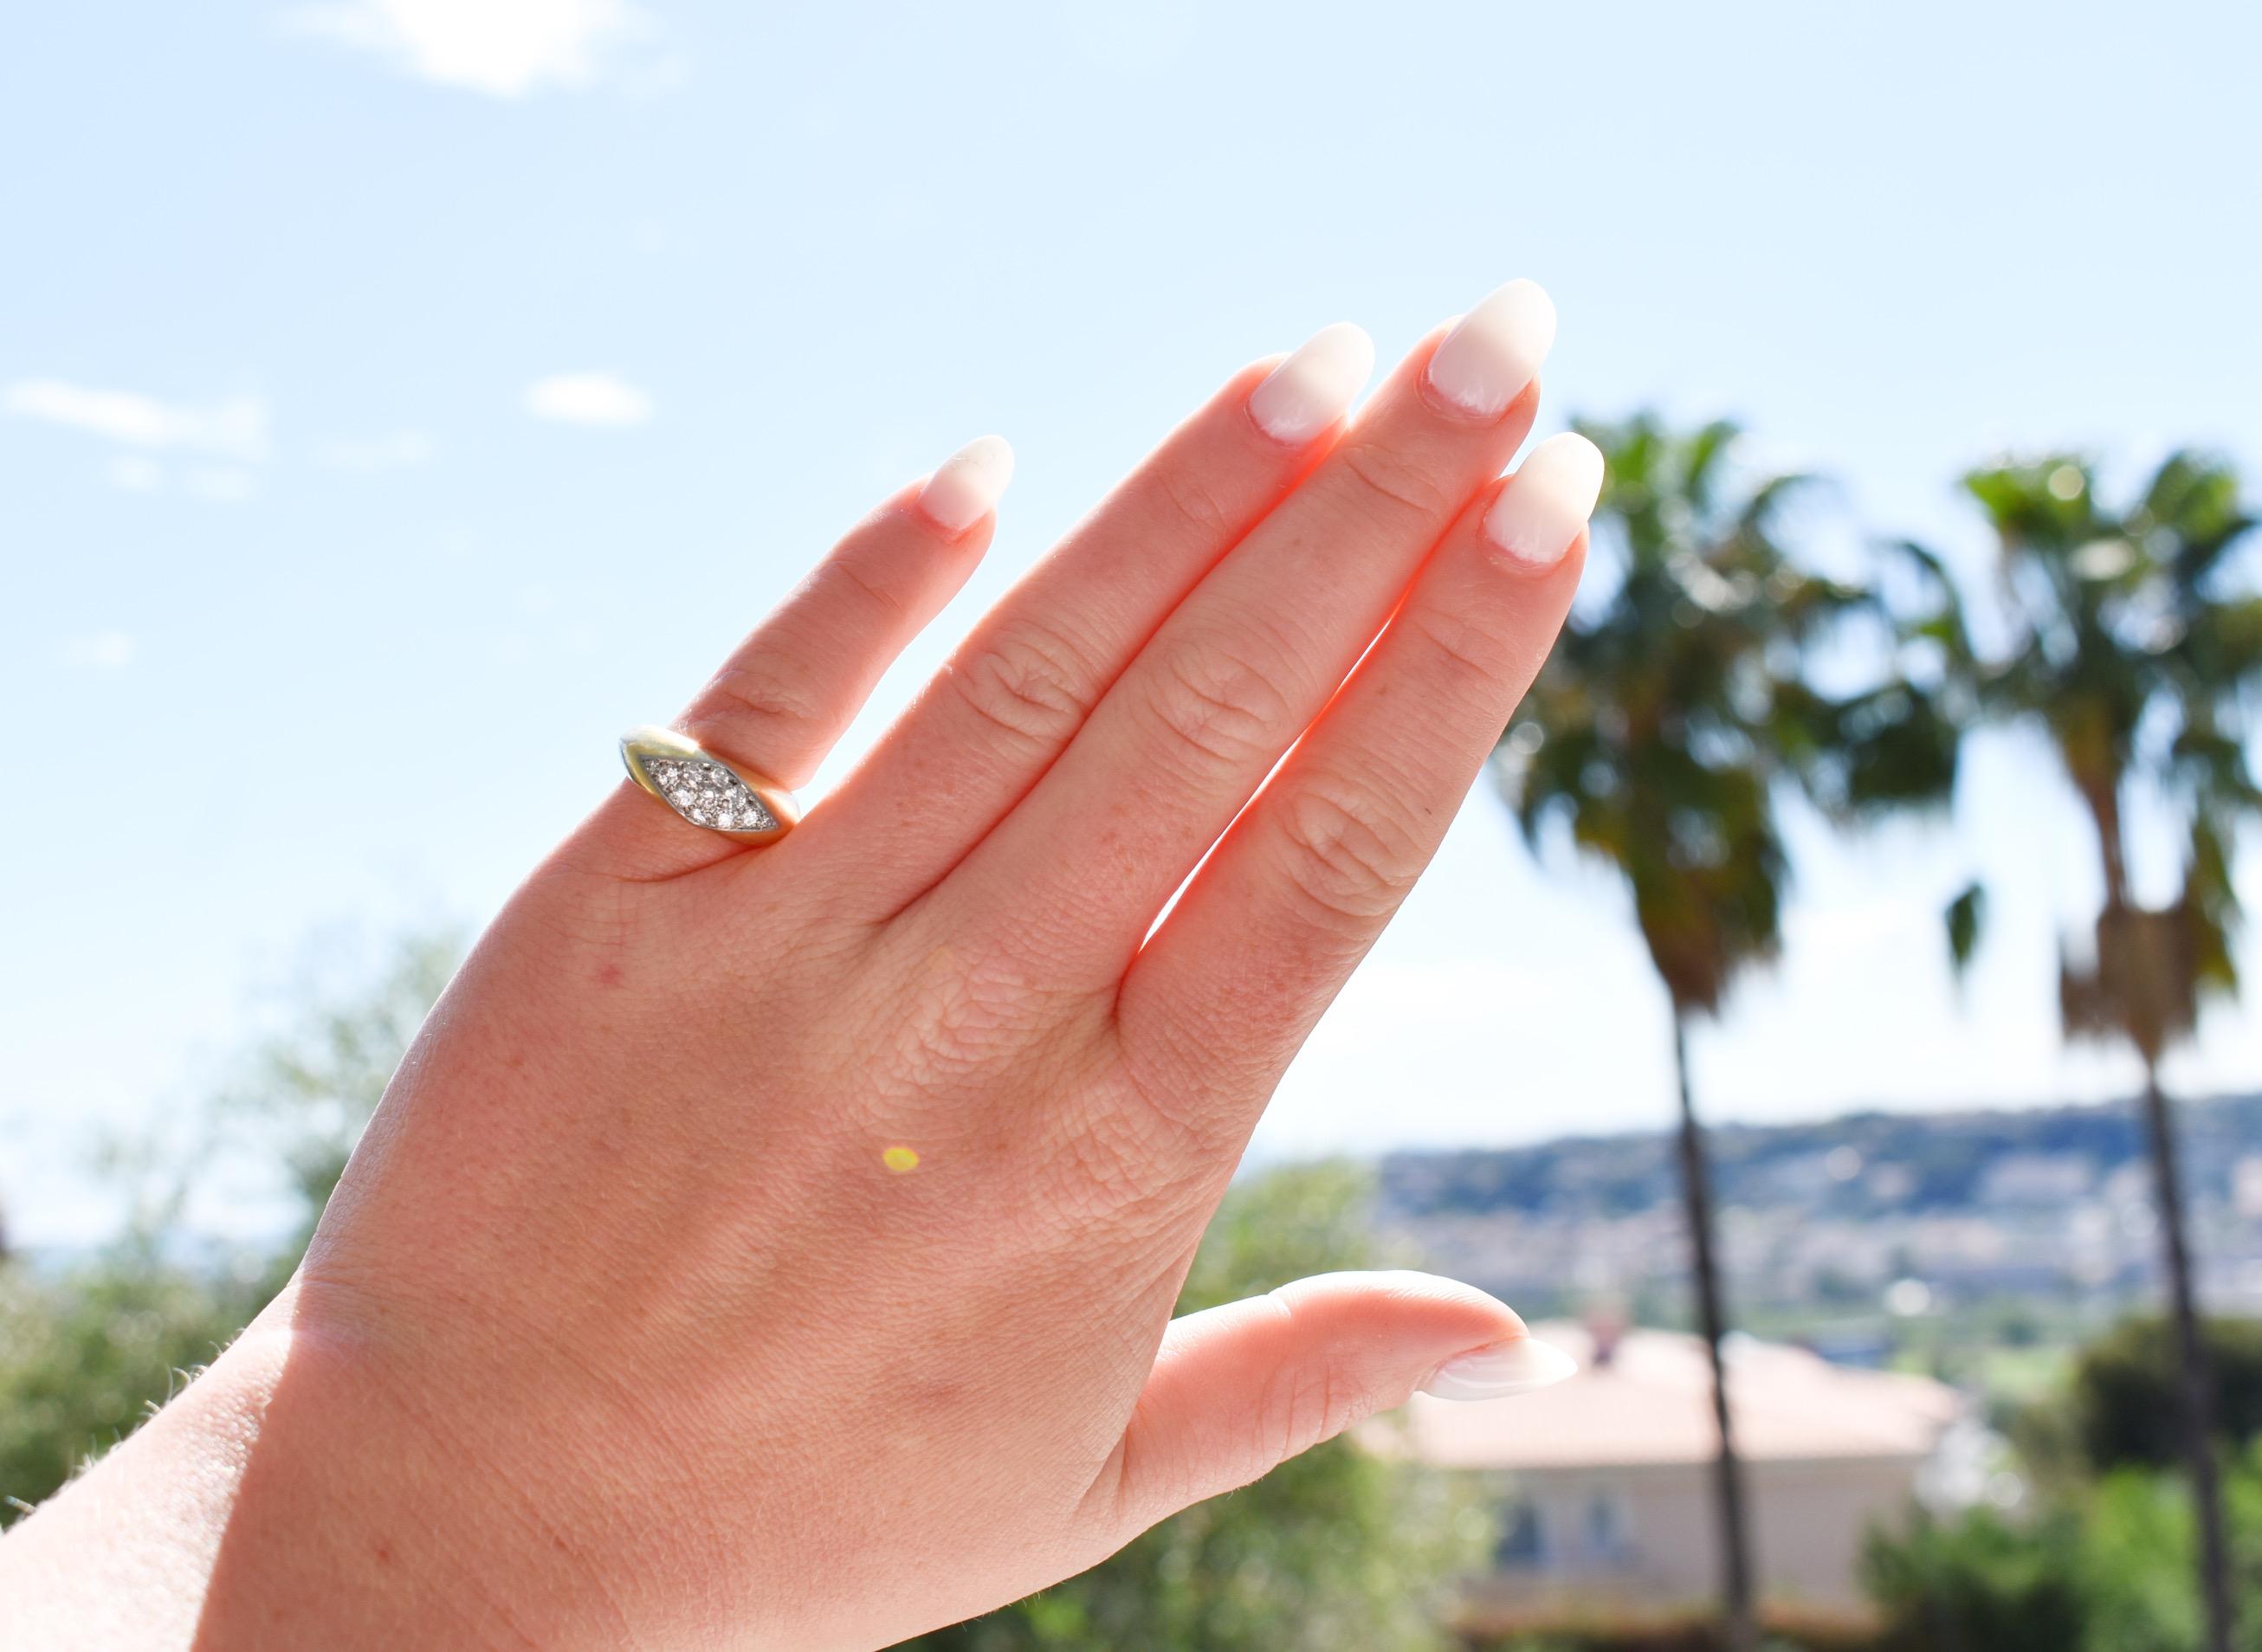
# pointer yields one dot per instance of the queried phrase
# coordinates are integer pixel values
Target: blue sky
(390, 388)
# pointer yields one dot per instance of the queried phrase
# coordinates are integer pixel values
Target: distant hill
(2051, 1207)
(1865, 1165)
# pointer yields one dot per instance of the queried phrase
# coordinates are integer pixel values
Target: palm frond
(1667, 721)
(1965, 920)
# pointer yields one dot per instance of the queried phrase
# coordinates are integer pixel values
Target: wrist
(363, 1517)
(290, 1496)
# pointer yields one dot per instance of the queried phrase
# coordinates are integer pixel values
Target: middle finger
(1015, 692)
(1075, 877)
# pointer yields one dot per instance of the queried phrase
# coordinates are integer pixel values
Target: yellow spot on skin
(902, 1160)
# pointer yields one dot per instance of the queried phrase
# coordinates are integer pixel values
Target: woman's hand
(776, 1246)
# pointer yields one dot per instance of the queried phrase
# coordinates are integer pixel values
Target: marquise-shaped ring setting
(704, 790)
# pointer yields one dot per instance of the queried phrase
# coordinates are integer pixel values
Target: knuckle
(1347, 855)
(1305, 1402)
(1026, 684)
(1397, 485)
(1467, 651)
(1218, 703)
(767, 690)
(966, 1009)
(1193, 505)
(860, 579)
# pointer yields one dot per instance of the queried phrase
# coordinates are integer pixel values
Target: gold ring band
(705, 790)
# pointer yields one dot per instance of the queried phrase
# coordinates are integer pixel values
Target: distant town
(1855, 1236)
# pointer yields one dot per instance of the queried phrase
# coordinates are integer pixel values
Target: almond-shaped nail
(1539, 513)
(1314, 386)
(1514, 1367)
(1494, 350)
(966, 487)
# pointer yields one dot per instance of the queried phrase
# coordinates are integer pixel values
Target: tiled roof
(1651, 1403)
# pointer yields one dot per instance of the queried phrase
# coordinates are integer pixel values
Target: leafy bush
(1979, 1584)
(2109, 1570)
(2127, 1406)
(85, 1357)
(1784, 1628)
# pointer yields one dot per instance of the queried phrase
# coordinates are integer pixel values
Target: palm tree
(2136, 656)
(1672, 717)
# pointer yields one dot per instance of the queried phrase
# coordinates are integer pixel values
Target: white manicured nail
(966, 485)
(1513, 1366)
(1314, 386)
(1493, 352)
(1539, 513)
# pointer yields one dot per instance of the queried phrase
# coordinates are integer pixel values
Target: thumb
(1238, 1389)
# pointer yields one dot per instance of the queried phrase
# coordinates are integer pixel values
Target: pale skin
(629, 1324)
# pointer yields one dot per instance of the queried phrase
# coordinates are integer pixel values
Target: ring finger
(789, 691)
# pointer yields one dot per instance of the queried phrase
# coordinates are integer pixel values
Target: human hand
(776, 1246)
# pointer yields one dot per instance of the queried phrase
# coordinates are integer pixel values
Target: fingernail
(1539, 513)
(1514, 1367)
(1314, 386)
(966, 485)
(1488, 358)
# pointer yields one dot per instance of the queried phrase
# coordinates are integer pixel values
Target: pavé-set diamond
(706, 794)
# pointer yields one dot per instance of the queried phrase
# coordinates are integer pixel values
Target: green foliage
(1979, 1584)
(85, 1356)
(310, 1090)
(1671, 713)
(2107, 1570)
(2136, 651)
(1782, 1629)
(2137, 654)
(1335, 1551)
(2135, 1567)
(1966, 915)
(1283, 1225)
(1677, 710)
(2125, 1400)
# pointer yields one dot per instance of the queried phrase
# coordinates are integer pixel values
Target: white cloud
(394, 451)
(232, 429)
(505, 48)
(97, 651)
(587, 399)
(220, 484)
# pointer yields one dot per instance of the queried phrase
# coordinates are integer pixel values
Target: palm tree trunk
(2196, 1380)
(1739, 1627)
(2103, 797)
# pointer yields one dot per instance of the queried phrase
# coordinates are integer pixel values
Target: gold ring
(706, 791)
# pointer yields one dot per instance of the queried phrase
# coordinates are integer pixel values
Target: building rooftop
(1648, 1401)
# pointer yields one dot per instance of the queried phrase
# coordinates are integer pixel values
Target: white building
(1605, 1480)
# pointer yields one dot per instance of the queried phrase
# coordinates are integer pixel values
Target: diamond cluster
(706, 794)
